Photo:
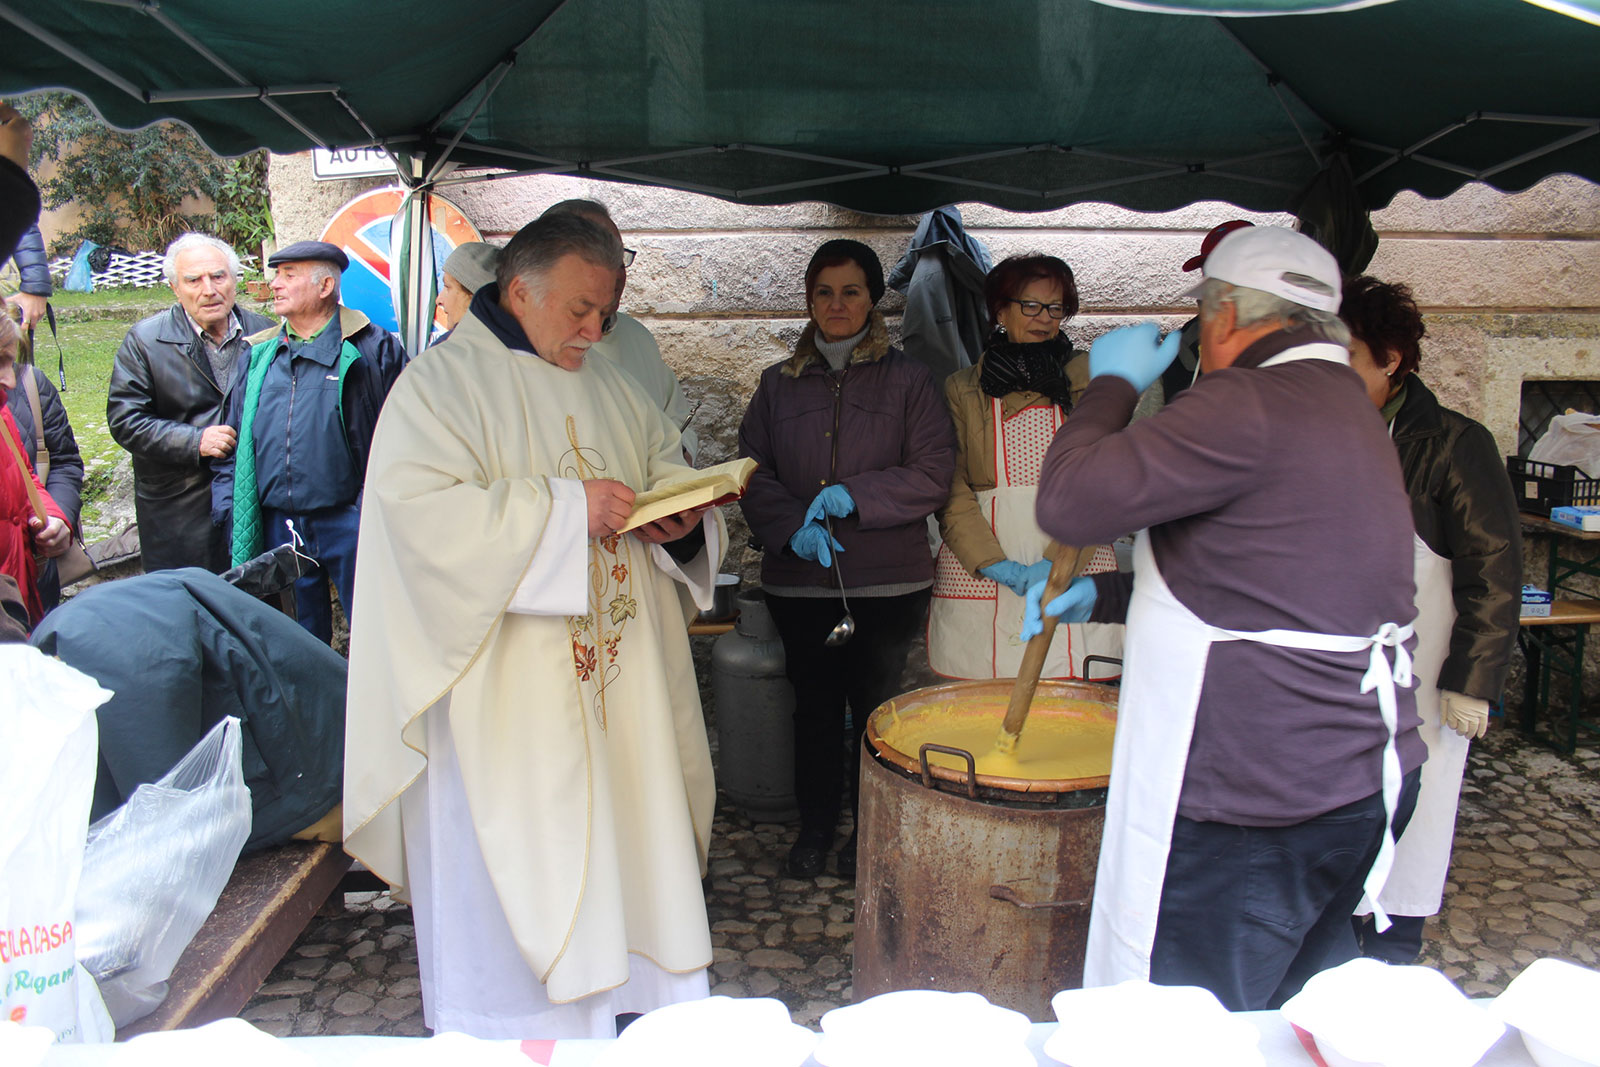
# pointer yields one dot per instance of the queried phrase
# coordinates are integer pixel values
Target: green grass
(89, 327)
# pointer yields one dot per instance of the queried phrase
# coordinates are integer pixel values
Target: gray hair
(542, 243)
(321, 269)
(169, 266)
(1252, 306)
(579, 206)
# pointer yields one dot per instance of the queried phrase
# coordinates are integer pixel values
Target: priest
(526, 760)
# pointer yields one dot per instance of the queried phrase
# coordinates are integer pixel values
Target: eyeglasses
(1030, 308)
(627, 257)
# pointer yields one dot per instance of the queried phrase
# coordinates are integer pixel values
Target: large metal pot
(969, 882)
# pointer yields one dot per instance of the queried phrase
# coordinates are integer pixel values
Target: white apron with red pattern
(974, 622)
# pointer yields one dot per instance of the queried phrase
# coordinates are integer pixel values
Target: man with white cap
(1267, 734)
(1186, 367)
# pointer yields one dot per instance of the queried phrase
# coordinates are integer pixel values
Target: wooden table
(268, 901)
(1555, 643)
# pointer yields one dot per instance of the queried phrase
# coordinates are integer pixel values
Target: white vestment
(567, 819)
(632, 347)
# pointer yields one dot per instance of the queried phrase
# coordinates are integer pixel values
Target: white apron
(1422, 854)
(974, 623)
(1167, 647)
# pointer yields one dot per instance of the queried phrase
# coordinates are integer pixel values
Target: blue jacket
(323, 476)
(32, 263)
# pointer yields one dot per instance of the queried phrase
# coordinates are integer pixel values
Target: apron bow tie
(1389, 635)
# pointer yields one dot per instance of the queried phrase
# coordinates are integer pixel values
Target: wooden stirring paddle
(1069, 563)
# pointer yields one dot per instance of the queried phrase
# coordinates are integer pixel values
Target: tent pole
(51, 40)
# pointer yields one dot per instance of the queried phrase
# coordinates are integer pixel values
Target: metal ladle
(846, 628)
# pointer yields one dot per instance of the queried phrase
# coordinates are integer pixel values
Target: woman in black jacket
(1469, 576)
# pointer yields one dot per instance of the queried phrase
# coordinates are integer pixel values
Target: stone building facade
(1510, 284)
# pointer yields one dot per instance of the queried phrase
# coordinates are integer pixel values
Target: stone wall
(1510, 283)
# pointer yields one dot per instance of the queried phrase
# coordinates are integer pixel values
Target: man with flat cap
(304, 414)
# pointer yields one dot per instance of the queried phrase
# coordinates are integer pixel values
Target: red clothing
(16, 538)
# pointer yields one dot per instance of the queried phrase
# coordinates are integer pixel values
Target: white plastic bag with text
(50, 738)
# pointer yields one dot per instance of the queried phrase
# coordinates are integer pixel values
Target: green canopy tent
(883, 106)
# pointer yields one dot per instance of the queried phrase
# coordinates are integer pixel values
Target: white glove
(1467, 716)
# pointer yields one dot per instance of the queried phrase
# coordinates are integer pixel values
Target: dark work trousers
(863, 672)
(1401, 943)
(327, 535)
(1251, 912)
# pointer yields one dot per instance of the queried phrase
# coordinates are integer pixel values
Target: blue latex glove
(1033, 574)
(1072, 606)
(1009, 573)
(812, 542)
(1133, 355)
(834, 500)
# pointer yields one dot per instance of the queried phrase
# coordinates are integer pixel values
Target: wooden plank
(1579, 612)
(267, 903)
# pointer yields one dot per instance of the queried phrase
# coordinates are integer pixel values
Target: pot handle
(1009, 895)
(1089, 661)
(959, 753)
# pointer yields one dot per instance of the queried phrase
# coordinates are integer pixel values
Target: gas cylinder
(755, 714)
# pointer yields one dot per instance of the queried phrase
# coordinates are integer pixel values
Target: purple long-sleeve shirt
(1274, 501)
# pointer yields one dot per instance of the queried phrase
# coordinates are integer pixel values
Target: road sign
(361, 228)
(332, 164)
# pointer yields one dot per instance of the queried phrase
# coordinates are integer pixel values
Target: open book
(714, 485)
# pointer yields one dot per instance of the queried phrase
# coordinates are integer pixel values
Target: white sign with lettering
(330, 164)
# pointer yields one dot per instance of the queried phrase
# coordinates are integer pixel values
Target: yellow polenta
(1061, 739)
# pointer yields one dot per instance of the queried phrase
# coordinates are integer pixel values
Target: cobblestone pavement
(1525, 883)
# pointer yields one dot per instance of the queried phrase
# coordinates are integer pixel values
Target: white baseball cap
(1279, 261)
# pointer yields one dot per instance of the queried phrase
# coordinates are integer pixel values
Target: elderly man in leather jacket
(169, 388)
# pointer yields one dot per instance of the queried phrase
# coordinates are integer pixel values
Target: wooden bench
(1555, 643)
(268, 902)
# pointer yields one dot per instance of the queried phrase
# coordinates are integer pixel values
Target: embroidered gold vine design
(596, 637)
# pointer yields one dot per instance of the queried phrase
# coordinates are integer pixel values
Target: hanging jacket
(1465, 511)
(946, 319)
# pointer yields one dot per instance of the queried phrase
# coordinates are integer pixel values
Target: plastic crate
(1542, 486)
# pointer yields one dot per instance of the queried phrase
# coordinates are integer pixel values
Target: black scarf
(1041, 367)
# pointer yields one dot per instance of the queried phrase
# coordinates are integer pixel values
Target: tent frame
(421, 175)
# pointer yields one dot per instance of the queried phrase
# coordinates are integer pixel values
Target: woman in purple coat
(856, 450)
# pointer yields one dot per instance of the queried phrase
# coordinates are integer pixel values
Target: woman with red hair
(23, 532)
(1007, 408)
(1468, 552)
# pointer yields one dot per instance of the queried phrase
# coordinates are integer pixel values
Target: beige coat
(961, 521)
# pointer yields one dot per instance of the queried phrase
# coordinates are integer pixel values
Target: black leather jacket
(162, 396)
(1464, 510)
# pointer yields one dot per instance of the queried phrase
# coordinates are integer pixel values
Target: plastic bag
(80, 276)
(1573, 440)
(153, 870)
(49, 733)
